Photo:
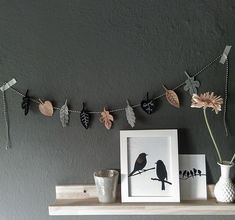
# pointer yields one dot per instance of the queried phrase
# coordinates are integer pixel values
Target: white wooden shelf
(82, 200)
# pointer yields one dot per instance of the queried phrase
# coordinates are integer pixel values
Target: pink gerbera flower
(207, 100)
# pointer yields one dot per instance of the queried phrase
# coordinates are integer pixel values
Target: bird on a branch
(140, 163)
(161, 172)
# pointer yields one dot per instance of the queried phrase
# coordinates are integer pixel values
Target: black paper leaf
(26, 103)
(191, 84)
(84, 117)
(148, 105)
(64, 115)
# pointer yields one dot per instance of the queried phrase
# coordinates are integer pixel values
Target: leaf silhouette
(26, 103)
(84, 117)
(172, 97)
(107, 119)
(64, 115)
(130, 115)
(191, 85)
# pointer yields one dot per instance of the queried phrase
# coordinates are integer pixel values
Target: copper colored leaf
(107, 119)
(46, 108)
(172, 97)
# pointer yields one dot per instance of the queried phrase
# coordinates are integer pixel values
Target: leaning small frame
(149, 166)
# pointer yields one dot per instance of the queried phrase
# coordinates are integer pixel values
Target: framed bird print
(149, 166)
(192, 173)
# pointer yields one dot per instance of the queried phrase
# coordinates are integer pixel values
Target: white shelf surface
(82, 200)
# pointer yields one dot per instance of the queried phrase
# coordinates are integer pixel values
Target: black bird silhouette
(195, 171)
(188, 174)
(180, 172)
(199, 172)
(191, 172)
(140, 163)
(184, 173)
(161, 172)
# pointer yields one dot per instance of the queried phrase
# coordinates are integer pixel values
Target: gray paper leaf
(130, 115)
(64, 115)
(191, 85)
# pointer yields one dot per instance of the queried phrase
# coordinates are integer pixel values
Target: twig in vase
(232, 158)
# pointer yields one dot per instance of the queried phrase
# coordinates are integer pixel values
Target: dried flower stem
(232, 158)
(212, 137)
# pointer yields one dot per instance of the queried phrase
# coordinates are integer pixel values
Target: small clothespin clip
(224, 56)
(7, 85)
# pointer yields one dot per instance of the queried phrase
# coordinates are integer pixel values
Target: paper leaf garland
(46, 108)
(64, 115)
(148, 105)
(107, 119)
(26, 103)
(84, 117)
(191, 85)
(172, 97)
(130, 115)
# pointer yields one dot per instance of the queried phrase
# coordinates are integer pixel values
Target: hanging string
(34, 100)
(133, 106)
(7, 144)
(226, 97)
(180, 85)
(21, 94)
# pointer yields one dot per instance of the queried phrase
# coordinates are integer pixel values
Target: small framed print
(192, 173)
(149, 166)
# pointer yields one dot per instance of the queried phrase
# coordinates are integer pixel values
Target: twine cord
(226, 97)
(7, 144)
(36, 101)
(133, 106)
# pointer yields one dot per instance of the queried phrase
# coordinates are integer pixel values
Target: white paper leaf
(64, 115)
(130, 115)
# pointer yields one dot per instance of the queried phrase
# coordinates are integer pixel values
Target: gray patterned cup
(106, 185)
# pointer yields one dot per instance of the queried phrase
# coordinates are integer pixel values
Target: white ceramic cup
(106, 185)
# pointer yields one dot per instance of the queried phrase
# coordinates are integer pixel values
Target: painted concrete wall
(103, 52)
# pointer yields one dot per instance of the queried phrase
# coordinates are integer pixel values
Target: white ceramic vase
(224, 189)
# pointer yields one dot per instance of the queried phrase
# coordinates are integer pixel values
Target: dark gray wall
(103, 52)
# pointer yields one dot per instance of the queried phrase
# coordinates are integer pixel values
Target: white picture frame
(192, 174)
(150, 183)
